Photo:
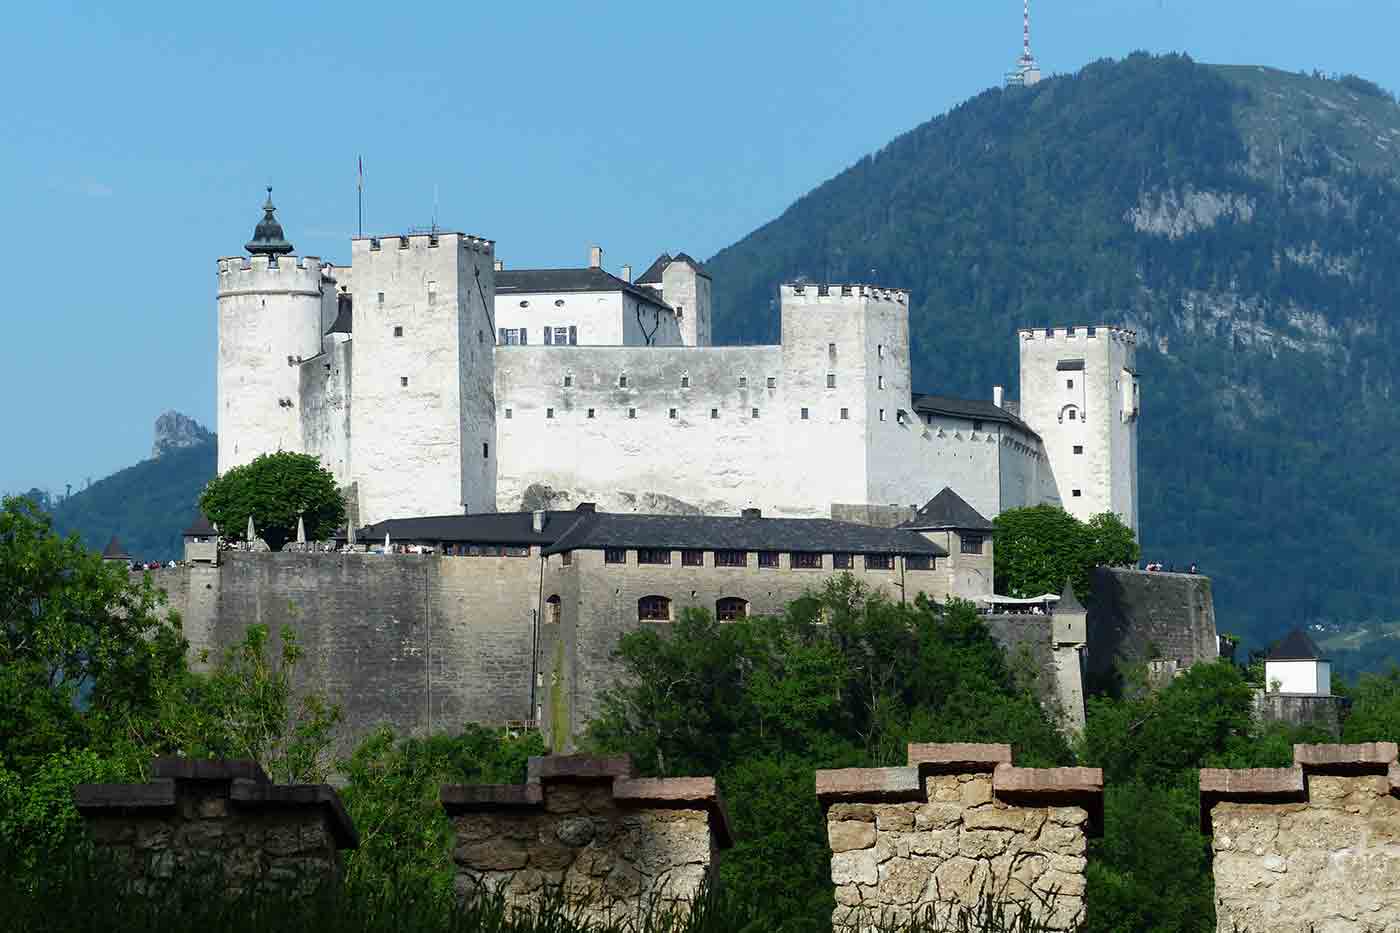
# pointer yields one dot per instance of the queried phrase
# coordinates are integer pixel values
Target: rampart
(1312, 847)
(957, 825)
(220, 820)
(1136, 617)
(613, 844)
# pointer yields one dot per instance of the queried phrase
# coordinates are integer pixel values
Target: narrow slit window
(804, 414)
(831, 380)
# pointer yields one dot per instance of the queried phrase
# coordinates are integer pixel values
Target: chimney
(595, 257)
(537, 521)
(996, 396)
(752, 513)
(588, 507)
(500, 265)
(627, 273)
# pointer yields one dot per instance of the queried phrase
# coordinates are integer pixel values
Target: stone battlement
(809, 293)
(1083, 332)
(467, 241)
(241, 275)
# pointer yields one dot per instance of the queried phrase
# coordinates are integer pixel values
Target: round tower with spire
(270, 307)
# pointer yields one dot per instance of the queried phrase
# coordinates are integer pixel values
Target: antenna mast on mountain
(1027, 70)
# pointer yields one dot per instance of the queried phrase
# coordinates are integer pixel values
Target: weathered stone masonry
(957, 824)
(1315, 847)
(613, 843)
(219, 817)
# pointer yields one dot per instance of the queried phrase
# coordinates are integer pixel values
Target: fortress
(566, 458)
(432, 381)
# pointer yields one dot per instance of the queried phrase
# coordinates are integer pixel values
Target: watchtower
(269, 306)
(1079, 392)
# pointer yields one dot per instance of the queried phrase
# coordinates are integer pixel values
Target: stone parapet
(1308, 847)
(221, 819)
(613, 843)
(958, 824)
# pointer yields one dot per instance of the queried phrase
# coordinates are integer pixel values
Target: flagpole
(360, 186)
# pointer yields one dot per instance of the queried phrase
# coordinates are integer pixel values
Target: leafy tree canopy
(1039, 548)
(276, 490)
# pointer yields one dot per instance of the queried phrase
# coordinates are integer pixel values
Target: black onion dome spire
(268, 239)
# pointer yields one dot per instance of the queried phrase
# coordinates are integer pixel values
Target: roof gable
(1295, 646)
(948, 510)
(591, 279)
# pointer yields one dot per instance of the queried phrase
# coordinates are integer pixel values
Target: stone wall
(1136, 616)
(613, 843)
(1299, 709)
(1315, 847)
(958, 824)
(222, 820)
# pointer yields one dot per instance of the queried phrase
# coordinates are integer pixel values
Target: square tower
(1079, 392)
(423, 437)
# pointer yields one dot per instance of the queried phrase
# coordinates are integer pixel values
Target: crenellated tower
(1079, 392)
(269, 309)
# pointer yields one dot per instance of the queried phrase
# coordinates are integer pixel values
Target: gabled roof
(729, 533)
(654, 271)
(973, 409)
(201, 527)
(547, 281)
(947, 510)
(1295, 646)
(344, 318)
(115, 551)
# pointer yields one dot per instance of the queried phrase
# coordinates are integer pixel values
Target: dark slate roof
(725, 533)
(537, 281)
(1296, 646)
(1069, 603)
(682, 257)
(201, 527)
(969, 408)
(115, 551)
(653, 274)
(485, 528)
(947, 510)
(344, 318)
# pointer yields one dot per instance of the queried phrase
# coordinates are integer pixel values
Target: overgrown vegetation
(1041, 547)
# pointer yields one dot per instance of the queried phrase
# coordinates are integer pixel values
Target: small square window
(673, 413)
(831, 380)
(403, 380)
(882, 414)
(381, 298)
(568, 380)
(1073, 415)
(842, 561)
(804, 414)
(510, 413)
(971, 544)
(918, 562)
(754, 413)
(1079, 448)
(567, 558)
(622, 381)
(1077, 493)
(845, 414)
(805, 560)
(432, 299)
(831, 348)
(590, 413)
(653, 556)
(549, 412)
(772, 382)
(685, 382)
(879, 382)
(1069, 383)
(714, 412)
(731, 558)
(976, 425)
(692, 558)
(879, 562)
(631, 412)
(398, 331)
(615, 555)
(743, 382)
(768, 559)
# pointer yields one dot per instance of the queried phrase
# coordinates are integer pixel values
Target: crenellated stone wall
(223, 819)
(958, 824)
(1315, 847)
(612, 843)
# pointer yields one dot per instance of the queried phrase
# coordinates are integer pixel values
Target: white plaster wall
(416, 448)
(325, 406)
(266, 314)
(689, 292)
(1105, 473)
(603, 319)
(1308, 677)
(1021, 465)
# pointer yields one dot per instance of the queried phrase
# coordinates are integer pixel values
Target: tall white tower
(423, 396)
(269, 321)
(1079, 392)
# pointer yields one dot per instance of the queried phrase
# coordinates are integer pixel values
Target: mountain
(148, 505)
(1243, 220)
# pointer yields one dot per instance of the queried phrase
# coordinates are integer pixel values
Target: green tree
(276, 490)
(1040, 547)
(1375, 708)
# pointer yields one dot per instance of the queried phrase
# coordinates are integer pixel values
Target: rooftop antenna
(435, 206)
(1027, 70)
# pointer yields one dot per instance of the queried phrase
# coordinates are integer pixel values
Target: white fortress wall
(269, 319)
(645, 324)
(926, 453)
(1022, 467)
(656, 463)
(689, 293)
(325, 406)
(598, 316)
(422, 397)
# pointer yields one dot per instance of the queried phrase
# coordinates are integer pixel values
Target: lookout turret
(268, 239)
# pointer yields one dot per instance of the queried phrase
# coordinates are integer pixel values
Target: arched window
(553, 609)
(1069, 413)
(653, 609)
(731, 609)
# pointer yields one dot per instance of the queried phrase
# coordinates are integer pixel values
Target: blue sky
(137, 139)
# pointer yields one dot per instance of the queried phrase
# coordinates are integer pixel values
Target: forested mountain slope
(1243, 220)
